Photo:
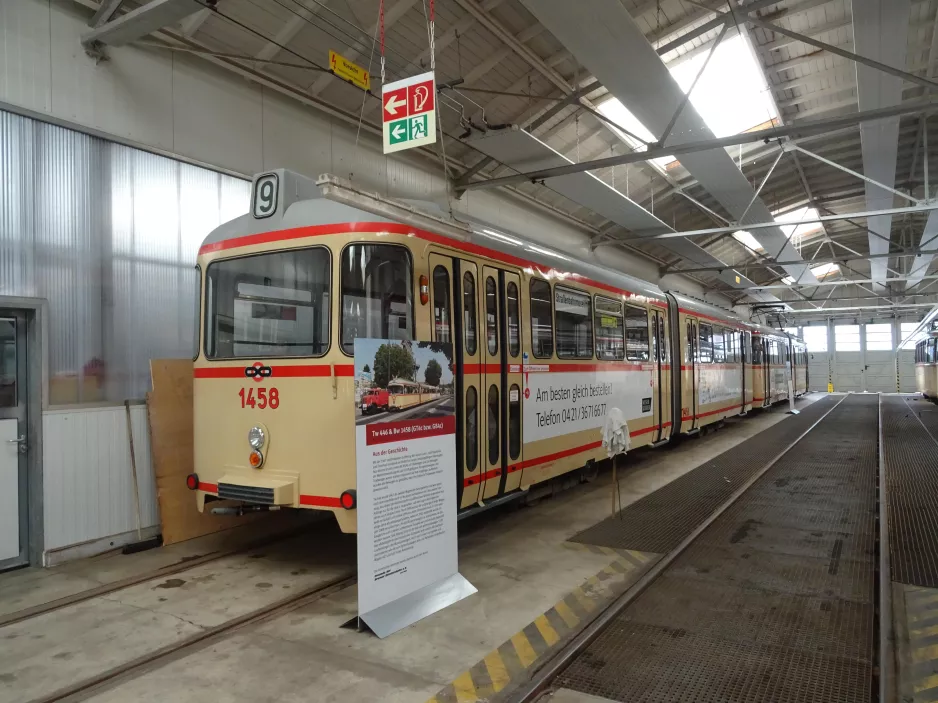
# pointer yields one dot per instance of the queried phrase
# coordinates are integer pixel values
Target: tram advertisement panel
(406, 460)
(558, 402)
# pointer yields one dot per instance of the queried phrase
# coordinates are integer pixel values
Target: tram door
(659, 341)
(693, 361)
(467, 358)
(500, 308)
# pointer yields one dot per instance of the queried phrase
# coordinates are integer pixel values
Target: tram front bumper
(259, 490)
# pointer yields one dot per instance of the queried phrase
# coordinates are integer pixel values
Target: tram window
(731, 345)
(610, 330)
(469, 311)
(472, 428)
(636, 334)
(574, 324)
(198, 310)
(441, 316)
(930, 351)
(719, 350)
(758, 351)
(542, 323)
(514, 320)
(663, 341)
(491, 315)
(377, 300)
(268, 305)
(706, 343)
(493, 424)
(689, 349)
(514, 422)
(743, 342)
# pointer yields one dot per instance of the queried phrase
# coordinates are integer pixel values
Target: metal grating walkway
(912, 489)
(659, 521)
(774, 601)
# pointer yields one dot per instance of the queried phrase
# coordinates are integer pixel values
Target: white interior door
(9, 491)
(13, 440)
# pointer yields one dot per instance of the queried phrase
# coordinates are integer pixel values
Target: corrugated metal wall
(88, 487)
(109, 235)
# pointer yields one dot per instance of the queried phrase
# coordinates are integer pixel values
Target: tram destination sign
(409, 112)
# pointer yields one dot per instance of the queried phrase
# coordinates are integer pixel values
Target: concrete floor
(515, 557)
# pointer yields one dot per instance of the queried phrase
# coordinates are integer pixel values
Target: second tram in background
(926, 363)
(543, 346)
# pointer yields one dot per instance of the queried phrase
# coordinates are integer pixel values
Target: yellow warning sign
(737, 279)
(351, 72)
(830, 387)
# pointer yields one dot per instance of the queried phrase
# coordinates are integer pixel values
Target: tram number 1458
(263, 399)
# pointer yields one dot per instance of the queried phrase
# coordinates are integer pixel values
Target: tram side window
(441, 316)
(493, 424)
(377, 285)
(472, 428)
(689, 349)
(610, 334)
(758, 351)
(574, 323)
(268, 305)
(198, 311)
(542, 323)
(744, 345)
(636, 334)
(719, 348)
(514, 320)
(706, 344)
(514, 422)
(491, 315)
(731, 345)
(931, 355)
(469, 312)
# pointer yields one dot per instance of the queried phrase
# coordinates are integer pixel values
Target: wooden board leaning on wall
(169, 413)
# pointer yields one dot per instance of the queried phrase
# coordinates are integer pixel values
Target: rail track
(93, 685)
(590, 648)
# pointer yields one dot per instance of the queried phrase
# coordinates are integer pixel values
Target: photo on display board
(402, 380)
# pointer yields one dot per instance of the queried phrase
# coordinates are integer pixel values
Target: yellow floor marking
(567, 615)
(625, 564)
(924, 654)
(526, 653)
(547, 631)
(611, 570)
(640, 556)
(465, 689)
(919, 617)
(926, 683)
(919, 601)
(593, 580)
(498, 673)
(924, 632)
(588, 605)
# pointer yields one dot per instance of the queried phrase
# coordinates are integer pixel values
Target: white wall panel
(25, 71)
(294, 137)
(87, 478)
(130, 95)
(223, 115)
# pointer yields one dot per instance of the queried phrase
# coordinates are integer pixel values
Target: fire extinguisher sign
(409, 112)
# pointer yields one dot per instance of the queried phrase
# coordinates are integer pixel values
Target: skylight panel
(825, 270)
(622, 116)
(796, 232)
(746, 239)
(788, 280)
(731, 95)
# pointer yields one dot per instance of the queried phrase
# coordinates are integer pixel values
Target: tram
(926, 363)
(544, 347)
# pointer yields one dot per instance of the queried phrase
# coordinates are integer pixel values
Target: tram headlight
(256, 437)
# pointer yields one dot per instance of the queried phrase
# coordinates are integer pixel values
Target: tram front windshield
(269, 305)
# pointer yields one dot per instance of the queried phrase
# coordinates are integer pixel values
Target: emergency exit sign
(409, 112)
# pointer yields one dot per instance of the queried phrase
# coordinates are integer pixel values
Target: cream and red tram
(926, 363)
(543, 347)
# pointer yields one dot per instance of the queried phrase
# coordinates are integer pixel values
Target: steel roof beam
(654, 152)
(814, 262)
(140, 22)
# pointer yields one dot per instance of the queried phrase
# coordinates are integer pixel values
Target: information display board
(406, 495)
